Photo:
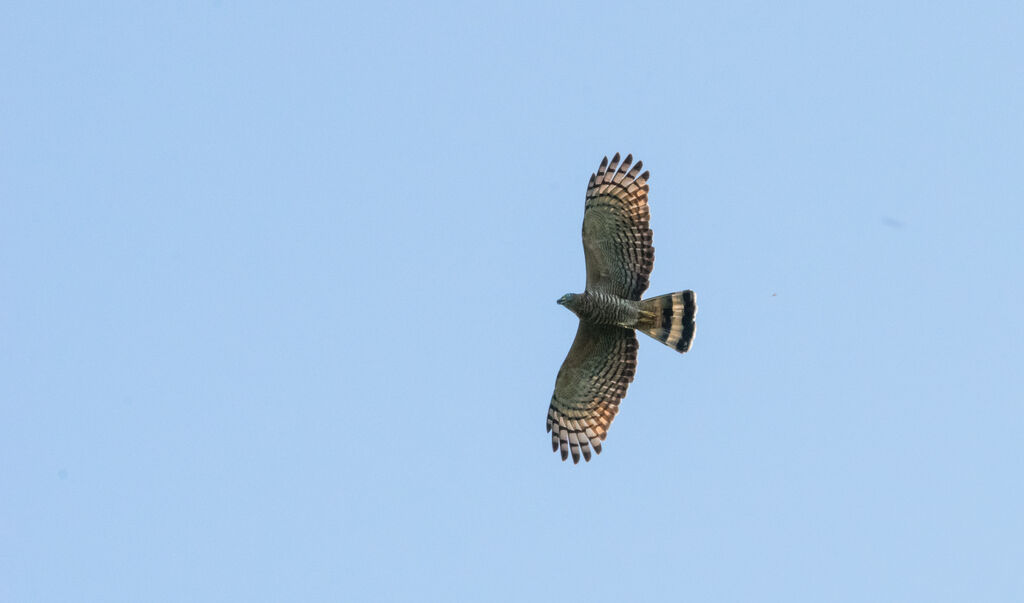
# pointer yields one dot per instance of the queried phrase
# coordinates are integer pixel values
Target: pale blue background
(278, 321)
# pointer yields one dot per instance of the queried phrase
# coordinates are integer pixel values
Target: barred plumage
(602, 360)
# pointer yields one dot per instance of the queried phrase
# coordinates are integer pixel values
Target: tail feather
(670, 319)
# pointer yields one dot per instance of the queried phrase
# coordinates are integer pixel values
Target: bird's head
(568, 300)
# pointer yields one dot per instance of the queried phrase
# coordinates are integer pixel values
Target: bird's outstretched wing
(590, 384)
(616, 229)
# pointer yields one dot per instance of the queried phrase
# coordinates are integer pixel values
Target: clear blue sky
(278, 320)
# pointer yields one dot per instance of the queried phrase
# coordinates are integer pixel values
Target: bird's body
(604, 309)
(602, 360)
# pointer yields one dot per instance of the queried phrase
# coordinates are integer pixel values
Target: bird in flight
(602, 360)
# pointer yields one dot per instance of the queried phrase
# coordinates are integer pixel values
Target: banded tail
(670, 319)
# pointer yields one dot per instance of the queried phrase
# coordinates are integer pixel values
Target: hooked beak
(560, 301)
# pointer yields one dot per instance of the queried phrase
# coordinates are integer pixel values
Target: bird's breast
(606, 309)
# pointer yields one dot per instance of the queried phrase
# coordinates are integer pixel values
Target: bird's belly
(613, 311)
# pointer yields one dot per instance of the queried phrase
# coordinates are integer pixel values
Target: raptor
(601, 363)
